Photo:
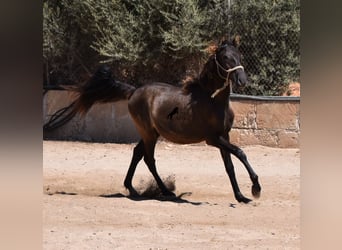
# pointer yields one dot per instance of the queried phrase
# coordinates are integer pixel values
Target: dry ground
(83, 207)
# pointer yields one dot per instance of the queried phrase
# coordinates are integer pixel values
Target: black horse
(198, 111)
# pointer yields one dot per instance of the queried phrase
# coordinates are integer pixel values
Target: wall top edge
(232, 96)
(265, 98)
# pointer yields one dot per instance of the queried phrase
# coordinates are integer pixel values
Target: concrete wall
(273, 123)
(103, 123)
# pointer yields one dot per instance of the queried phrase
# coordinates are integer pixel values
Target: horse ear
(236, 41)
(211, 48)
(224, 41)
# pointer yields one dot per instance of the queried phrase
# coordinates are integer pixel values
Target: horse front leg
(238, 152)
(231, 173)
(226, 149)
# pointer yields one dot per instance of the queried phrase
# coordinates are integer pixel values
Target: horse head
(228, 62)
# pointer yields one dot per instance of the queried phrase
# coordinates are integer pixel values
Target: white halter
(226, 84)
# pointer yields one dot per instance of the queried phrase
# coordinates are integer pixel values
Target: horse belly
(179, 122)
(181, 136)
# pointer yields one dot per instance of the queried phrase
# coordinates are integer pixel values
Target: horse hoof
(256, 190)
(133, 193)
(243, 199)
(169, 194)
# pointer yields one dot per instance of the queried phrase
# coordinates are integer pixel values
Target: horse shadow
(175, 199)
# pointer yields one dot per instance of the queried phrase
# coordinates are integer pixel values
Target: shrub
(270, 31)
(152, 40)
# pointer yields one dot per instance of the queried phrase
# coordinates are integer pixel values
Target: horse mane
(190, 84)
(200, 81)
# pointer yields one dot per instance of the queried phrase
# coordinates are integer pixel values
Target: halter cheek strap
(226, 84)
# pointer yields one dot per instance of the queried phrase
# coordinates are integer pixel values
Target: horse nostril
(242, 82)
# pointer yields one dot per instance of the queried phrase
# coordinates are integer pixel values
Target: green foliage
(52, 31)
(66, 38)
(184, 29)
(117, 33)
(152, 40)
(270, 31)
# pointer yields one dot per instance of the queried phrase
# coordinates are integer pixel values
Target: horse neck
(223, 98)
(211, 82)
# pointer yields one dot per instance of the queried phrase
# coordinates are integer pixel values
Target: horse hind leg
(150, 162)
(138, 153)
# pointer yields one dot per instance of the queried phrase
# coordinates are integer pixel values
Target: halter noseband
(226, 84)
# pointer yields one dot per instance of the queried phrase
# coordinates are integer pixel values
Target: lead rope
(226, 84)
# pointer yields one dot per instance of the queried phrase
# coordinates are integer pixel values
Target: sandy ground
(84, 206)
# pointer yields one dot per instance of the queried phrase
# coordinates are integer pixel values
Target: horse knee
(150, 162)
(241, 155)
(138, 150)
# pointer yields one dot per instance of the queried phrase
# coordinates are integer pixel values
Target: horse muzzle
(240, 78)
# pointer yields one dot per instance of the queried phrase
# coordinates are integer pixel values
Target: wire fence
(270, 33)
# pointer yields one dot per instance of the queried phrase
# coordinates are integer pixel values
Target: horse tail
(101, 88)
